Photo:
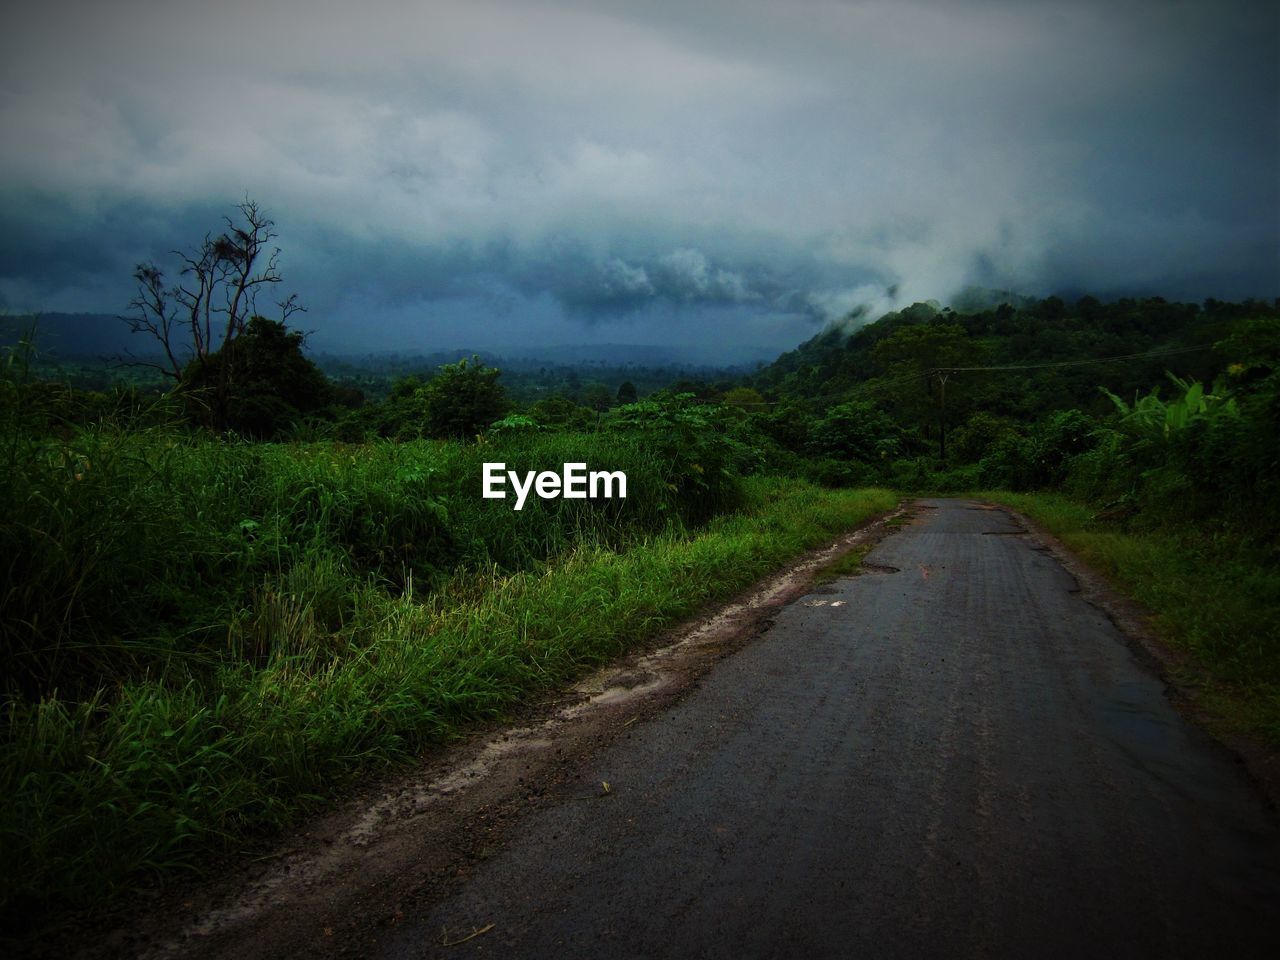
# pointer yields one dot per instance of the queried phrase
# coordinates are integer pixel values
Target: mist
(722, 178)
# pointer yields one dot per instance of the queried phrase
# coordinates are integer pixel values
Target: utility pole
(942, 416)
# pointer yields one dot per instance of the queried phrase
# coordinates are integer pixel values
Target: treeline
(525, 381)
(924, 397)
(1180, 426)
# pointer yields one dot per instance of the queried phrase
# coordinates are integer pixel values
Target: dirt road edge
(333, 884)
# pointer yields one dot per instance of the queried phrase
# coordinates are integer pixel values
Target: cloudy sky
(723, 176)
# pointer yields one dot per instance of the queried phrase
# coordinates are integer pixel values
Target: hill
(1060, 351)
(73, 336)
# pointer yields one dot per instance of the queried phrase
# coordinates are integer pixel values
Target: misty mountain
(1048, 353)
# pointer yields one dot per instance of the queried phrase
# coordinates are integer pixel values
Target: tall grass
(127, 552)
(208, 638)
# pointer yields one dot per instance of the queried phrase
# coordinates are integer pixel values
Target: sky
(726, 178)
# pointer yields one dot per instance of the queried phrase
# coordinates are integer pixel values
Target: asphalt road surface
(953, 754)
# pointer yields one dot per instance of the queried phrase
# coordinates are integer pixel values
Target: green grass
(126, 553)
(1217, 603)
(847, 565)
(328, 672)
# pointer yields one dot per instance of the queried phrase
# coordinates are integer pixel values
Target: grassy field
(1212, 600)
(233, 634)
(203, 639)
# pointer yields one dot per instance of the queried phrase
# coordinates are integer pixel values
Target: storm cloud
(484, 173)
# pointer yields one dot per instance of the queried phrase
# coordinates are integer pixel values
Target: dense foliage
(1180, 427)
(208, 626)
(271, 387)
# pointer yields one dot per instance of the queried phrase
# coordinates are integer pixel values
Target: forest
(233, 589)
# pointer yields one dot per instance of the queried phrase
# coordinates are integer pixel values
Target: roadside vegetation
(231, 590)
(204, 637)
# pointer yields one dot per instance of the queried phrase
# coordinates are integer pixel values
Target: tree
(559, 411)
(206, 311)
(275, 384)
(627, 392)
(857, 430)
(744, 398)
(463, 398)
(978, 435)
(921, 351)
(596, 396)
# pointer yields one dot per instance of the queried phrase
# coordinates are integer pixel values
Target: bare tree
(216, 294)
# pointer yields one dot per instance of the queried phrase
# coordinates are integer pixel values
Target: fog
(724, 178)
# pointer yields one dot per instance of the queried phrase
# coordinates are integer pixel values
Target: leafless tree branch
(218, 288)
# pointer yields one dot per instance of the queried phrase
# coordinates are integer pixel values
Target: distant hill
(839, 364)
(75, 336)
(612, 354)
(589, 361)
(95, 336)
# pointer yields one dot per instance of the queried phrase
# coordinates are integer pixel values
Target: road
(951, 755)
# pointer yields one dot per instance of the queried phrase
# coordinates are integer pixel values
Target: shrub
(463, 399)
(694, 450)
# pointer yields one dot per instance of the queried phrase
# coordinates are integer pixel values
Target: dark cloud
(703, 171)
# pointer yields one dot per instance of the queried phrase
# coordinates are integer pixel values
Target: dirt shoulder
(410, 837)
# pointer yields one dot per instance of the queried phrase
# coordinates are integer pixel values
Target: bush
(841, 473)
(1009, 463)
(1105, 473)
(977, 437)
(463, 399)
(274, 385)
(857, 430)
(1198, 458)
(1040, 458)
(694, 449)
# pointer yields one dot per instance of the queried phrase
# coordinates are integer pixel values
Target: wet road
(960, 758)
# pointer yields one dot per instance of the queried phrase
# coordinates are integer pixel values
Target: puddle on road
(880, 568)
(1137, 719)
(1131, 713)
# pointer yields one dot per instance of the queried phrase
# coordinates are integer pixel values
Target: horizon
(720, 180)
(604, 354)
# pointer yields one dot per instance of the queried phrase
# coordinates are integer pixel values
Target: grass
(847, 565)
(207, 539)
(1213, 601)
(328, 671)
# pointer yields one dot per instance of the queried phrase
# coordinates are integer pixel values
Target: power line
(930, 371)
(1155, 355)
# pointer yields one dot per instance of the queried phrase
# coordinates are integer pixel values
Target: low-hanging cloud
(684, 276)
(623, 171)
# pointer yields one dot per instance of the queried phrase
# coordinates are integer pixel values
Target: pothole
(879, 568)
